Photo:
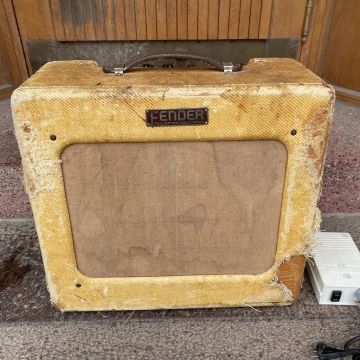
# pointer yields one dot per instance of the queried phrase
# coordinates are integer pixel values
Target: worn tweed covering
(78, 103)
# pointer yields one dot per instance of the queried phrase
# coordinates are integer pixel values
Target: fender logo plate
(177, 117)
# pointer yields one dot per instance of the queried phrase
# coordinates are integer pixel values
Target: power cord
(325, 352)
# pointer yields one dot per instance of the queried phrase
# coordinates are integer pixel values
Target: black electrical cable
(325, 352)
(350, 350)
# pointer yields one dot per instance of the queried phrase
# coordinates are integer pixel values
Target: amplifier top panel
(80, 73)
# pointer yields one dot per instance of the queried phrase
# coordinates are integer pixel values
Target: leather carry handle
(227, 68)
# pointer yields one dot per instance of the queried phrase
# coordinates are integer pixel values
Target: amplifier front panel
(174, 208)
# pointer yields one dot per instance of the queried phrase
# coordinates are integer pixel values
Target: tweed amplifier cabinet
(175, 187)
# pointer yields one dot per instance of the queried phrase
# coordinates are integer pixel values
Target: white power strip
(334, 270)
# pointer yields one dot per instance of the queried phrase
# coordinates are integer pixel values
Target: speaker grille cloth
(174, 208)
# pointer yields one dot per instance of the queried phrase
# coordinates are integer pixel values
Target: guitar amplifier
(157, 188)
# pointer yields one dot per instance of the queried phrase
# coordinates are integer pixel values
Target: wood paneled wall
(342, 57)
(313, 50)
(12, 62)
(160, 19)
(287, 18)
